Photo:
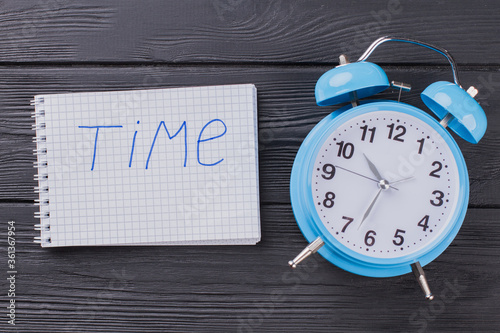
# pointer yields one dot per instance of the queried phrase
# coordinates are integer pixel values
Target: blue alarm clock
(379, 187)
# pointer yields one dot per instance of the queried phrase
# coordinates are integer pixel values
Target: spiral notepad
(145, 167)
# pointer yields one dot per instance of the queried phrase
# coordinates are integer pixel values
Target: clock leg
(422, 281)
(310, 249)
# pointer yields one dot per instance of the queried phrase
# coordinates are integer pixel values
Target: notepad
(148, 167)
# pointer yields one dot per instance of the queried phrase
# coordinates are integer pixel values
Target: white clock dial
(385, 184)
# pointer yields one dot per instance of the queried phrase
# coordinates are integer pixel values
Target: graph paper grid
(172, 166)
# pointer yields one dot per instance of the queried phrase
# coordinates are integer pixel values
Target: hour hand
(373, 168)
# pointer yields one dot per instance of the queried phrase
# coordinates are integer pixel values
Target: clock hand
(358, 174)
(370, 207)
(373, 168)
(403, 180)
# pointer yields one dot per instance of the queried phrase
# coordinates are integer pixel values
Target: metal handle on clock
(437, 49)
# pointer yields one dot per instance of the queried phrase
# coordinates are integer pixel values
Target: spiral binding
(42, 176)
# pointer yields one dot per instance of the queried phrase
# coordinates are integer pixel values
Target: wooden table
(56, 46)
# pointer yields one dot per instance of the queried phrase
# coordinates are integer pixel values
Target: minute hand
(370, 208)
(358, 174)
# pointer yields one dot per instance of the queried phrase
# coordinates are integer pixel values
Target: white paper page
(162, 166)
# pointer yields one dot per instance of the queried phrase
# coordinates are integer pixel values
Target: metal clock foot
(310, 249)
(422, 281)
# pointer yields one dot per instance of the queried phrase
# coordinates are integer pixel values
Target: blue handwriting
(184, 126)
(96, 135)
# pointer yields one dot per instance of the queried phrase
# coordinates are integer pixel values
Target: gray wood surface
(236, 31)
(282, 47)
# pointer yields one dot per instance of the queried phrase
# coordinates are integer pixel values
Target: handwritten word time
(183, 127)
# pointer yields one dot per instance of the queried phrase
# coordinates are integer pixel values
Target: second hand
(358, 174)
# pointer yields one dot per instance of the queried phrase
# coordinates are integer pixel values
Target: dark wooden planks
(236, 31)
(250, 288)
(54, 46)
(287, 112)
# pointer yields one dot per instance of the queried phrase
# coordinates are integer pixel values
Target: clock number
(329, 171)
(424, 222)
(435, 171)
(345, 149)
(398, 136)
(328, 202)
(400, 238)
(366, 129)
(369, 239)
(421, 147)
(349, 220)
(439, 197)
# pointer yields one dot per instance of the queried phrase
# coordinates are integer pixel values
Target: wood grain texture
(287, 112)
(248, 288)
(243, 31)
(54, 46)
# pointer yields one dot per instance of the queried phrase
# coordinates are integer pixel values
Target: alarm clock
(380, 188)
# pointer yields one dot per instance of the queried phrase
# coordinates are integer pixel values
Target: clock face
(385, 184)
